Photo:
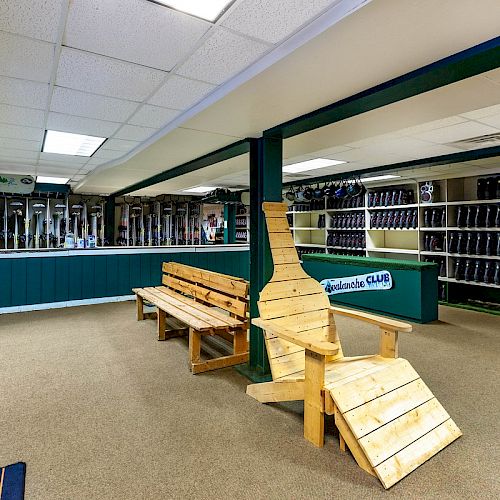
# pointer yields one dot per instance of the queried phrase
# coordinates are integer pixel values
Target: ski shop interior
(200, 199)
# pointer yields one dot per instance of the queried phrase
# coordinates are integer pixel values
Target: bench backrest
(210, 288)
(291, 298)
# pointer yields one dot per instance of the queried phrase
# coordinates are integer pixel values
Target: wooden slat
(278, 206)
(304, 321)
(225, 302)
(287, 365)
(221, 362)
(350, 395)
(350, 369)
(277, 225)
(387, 440)
(414, 455)
(291, 288)
(272, 392)
(294, 305)
(277, 347)
(277, 241)
(286, 272)
(228, 320)
(223, 283)
(380, 411)
(163, 304)
(285, 256)
(192, 309)
(375, 319)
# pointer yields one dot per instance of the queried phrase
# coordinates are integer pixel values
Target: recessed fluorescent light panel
(200, 189)
(65, 143)
(51, 180)
(303, 166)
(379, 178)
(206, 9)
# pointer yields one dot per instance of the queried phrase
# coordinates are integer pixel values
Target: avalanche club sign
(380, 280)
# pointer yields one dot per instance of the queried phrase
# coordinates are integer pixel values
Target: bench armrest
(318, 346)
(385, 323)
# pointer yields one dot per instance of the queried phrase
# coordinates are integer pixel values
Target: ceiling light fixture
(209, 10)
(200, 189)
(65, 143)
(379, 178)
(51, 180)
(303, 166)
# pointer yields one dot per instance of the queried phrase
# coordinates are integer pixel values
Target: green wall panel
(41, 280)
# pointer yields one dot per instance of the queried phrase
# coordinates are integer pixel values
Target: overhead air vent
(481, 141)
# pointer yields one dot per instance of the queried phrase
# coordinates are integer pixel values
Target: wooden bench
(202, 303)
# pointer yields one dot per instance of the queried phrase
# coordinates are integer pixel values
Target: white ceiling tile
(79, 125)
(121, 145)
(23, 93)
(481, 113)
(77, 177)
(47, 168)
(17, 115)
(221, 56)
(180, 93)
(95, 162)
(25, 58)
(15, 160)
(7, 167)
(31, 18)
(19, 153)
(78, 103)
(19, 144)
(456, 132)
(273, 21)
(432, 125)
(107, 154)
(134, 133)
(155, 36)
(103, 75)
(66, 159)
(411, 147)
(153, 116)
(493, 120)
(16, 132)
(493, 75)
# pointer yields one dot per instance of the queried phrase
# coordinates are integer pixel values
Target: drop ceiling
(167, 87)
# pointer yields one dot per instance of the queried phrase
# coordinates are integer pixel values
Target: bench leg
(194, 348)
(240, 342)
(162, 323)
(140, 307)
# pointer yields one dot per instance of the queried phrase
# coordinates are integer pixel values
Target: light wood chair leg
(314, 418)
(162, 323)
(140, 307)
(240, 342)
(342, 443)
(388, 347)
(194, 347)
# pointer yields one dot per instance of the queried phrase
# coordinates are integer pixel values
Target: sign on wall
(16, 184)
(379, 280)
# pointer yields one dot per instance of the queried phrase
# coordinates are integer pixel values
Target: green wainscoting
(62, 277)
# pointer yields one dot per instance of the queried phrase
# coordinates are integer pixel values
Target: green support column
(229, 224)
(266, 162)
(109, 220)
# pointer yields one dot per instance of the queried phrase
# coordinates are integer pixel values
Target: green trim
(464, 64)
(51, 188)
(349, 260)
(470, 308)
(231, 151)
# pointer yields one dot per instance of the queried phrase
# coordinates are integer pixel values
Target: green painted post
(266, 161)
(229, 223)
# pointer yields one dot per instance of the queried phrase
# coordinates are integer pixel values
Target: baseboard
(67, 303)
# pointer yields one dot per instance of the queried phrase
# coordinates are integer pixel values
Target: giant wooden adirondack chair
(387, 416)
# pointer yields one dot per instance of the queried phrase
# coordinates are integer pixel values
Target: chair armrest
(318, 346)
(385, 323)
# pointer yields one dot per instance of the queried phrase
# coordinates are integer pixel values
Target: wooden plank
(268, 206)
(175, 311)
(350, 369)
(273, 392)
(223, 283)
(286, 272)
(191, 309)
(303, 321)
(140, 307)
(161, 323)
(270, 309)
(277, 225)
(230, 321)
(350, 395)
(408, 459)
(217, 363)
(314, 419)
(387, 323)
(288, 365)
(277, 347)
(240, 342)
(388, 343)
(387, 440)
(380, 411)
(291, 288)
(225, 302)
(194, 346)
(285, 256)
(281, 240)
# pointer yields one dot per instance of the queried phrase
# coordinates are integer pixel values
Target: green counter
(413, 296)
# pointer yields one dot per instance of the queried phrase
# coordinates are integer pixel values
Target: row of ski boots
(346, 240)
(435, 217)
(349, 220)
(441, 262)
(488, 188)
(480, 271)
(434, 242)
(474, 243)
(387, 198)
(354, 253)
(394, 219)
(478, 216)
(307, 251)
(352, 202)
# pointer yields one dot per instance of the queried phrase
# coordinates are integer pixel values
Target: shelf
(475, 202)
(393, 250)
(392, 207)
(463, 282)
(348, 248)
(306, 211)
(345, 229)
(467, 256)
(403, 229)
(307, 228)
(442, 229)
(433, 204)
(241, 228)
(485, 229)
(310, 245)
(344, 209)
(428, 252)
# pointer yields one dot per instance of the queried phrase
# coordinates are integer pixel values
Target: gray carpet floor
(101, 410)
